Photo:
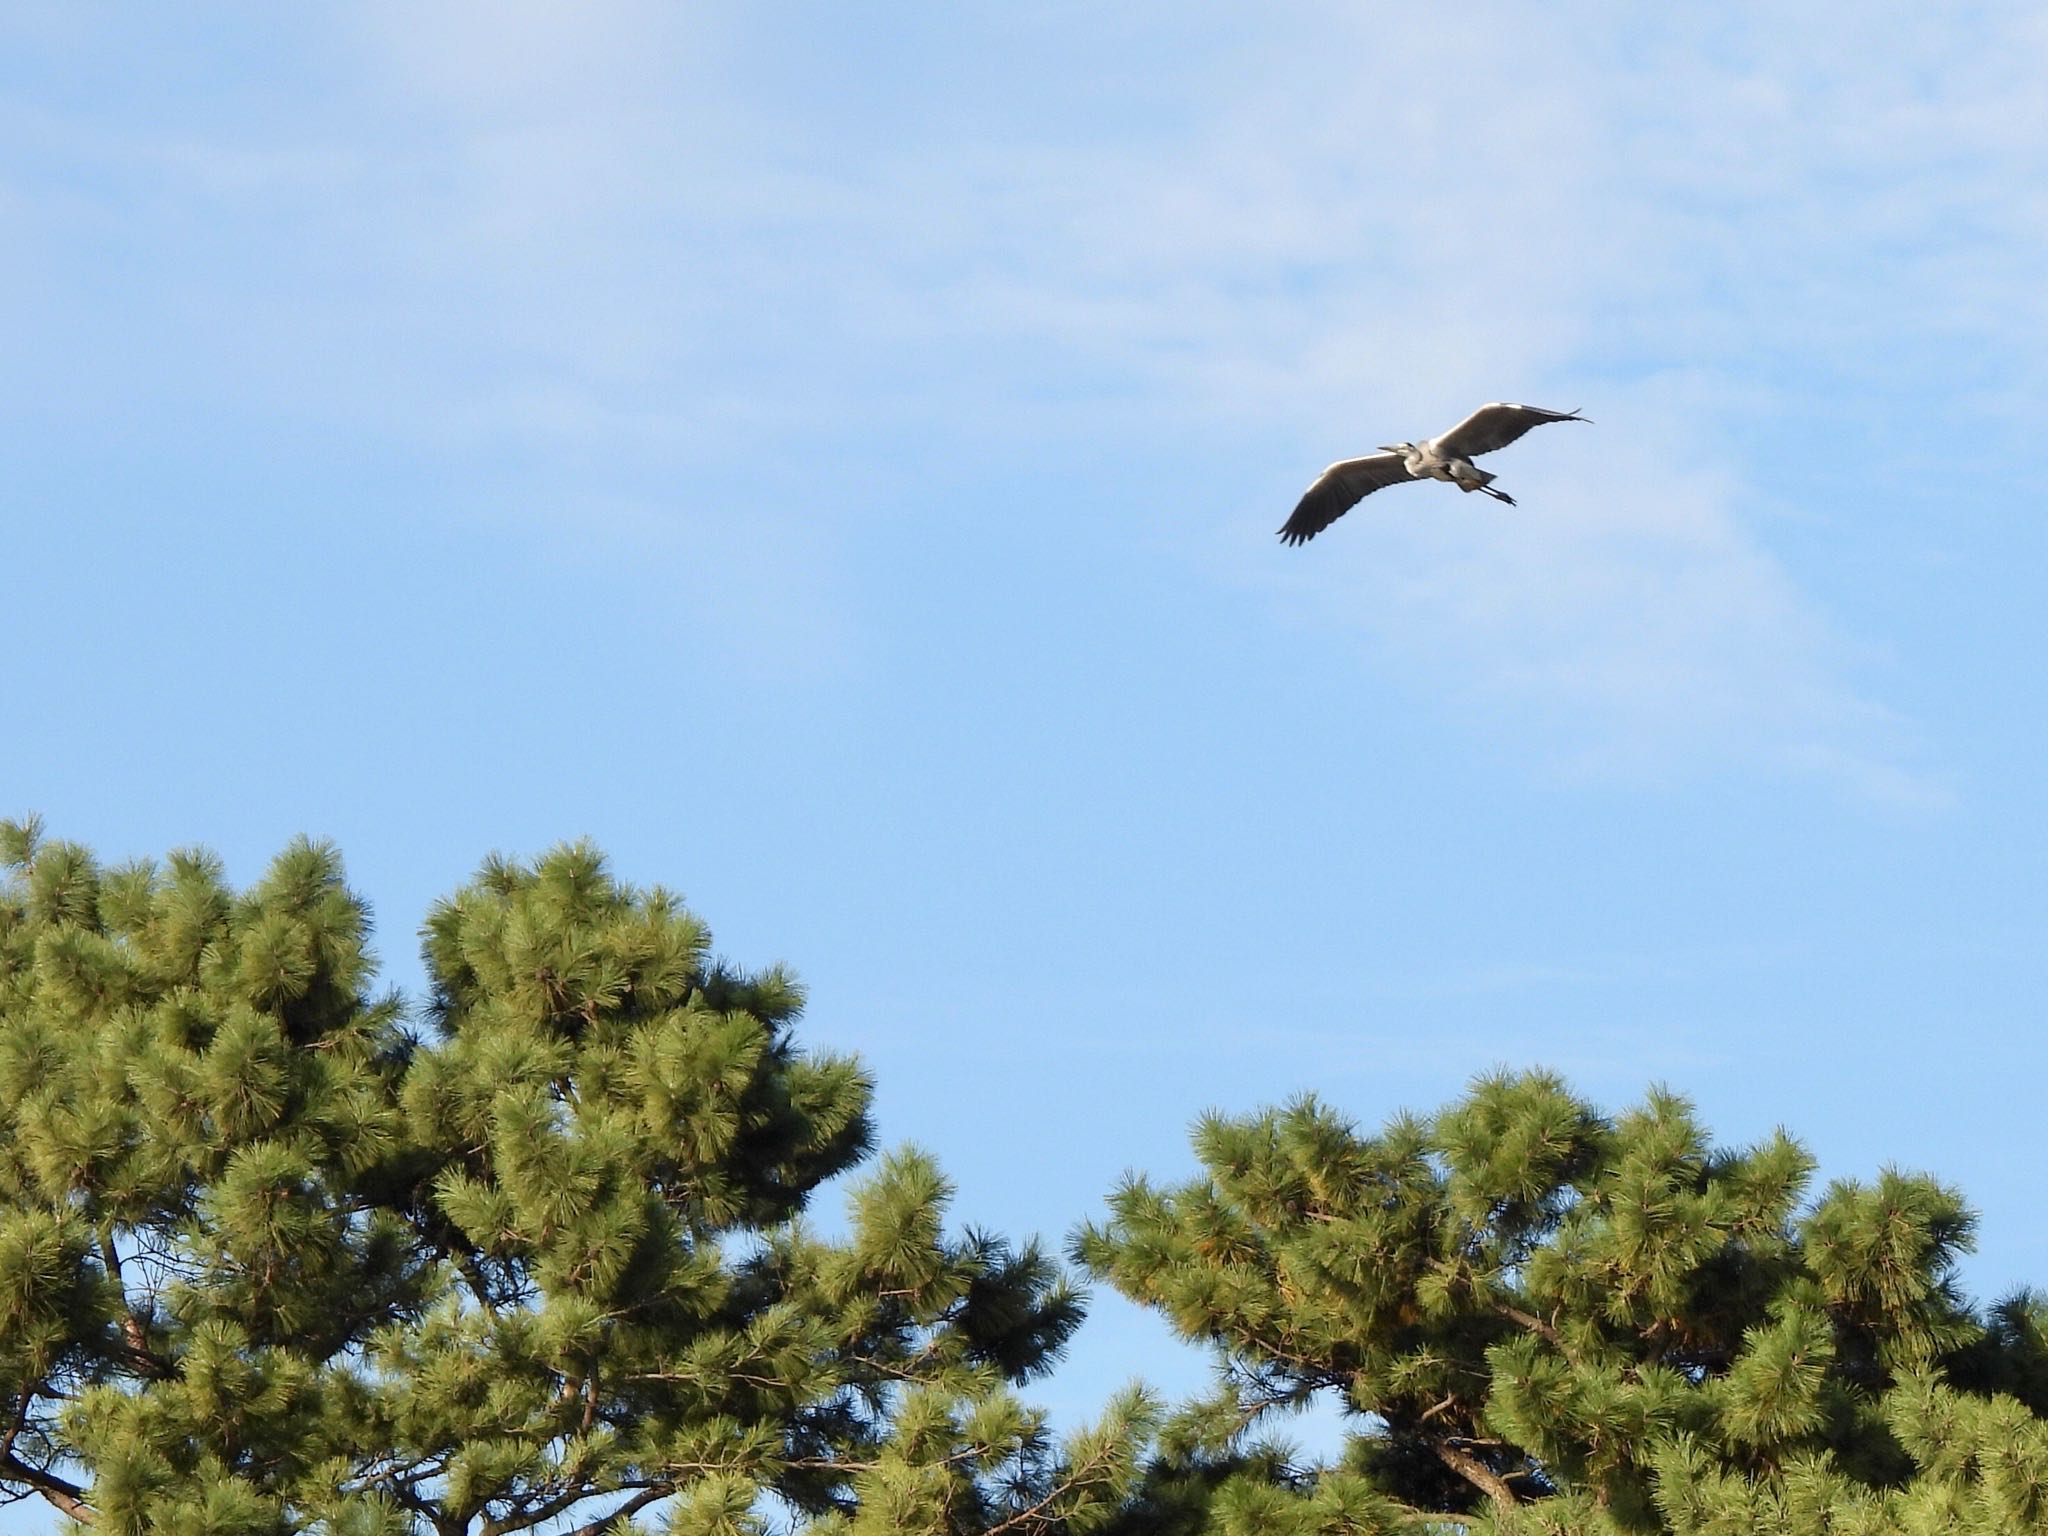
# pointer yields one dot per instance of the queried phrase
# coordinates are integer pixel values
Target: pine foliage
(270, 1261)
(1542, 1319)
(280, 1253)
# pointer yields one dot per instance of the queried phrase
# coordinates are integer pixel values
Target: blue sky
(831, 456)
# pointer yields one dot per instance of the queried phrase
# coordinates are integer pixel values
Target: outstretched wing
(1495, 426)
(1337, 490)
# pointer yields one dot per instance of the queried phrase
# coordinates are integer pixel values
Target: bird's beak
(1392, 448)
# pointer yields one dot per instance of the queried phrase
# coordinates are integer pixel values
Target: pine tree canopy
(1540, 1319)
(282, 1253)
(272, 1260)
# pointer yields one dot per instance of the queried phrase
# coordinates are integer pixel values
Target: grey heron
(1447, 457)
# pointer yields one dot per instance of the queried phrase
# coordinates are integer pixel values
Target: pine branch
(625, 1511)
(1478, 1474)
(134, 1327)
(1076, 1478)
(1530, 1321)
(546, 1510)
(21, 1408)
(1450, 1401)
(63, 1493)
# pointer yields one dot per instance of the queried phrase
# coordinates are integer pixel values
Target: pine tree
(272, 1262)
(1543, 1319)
(281, 1253)
(194, 1086)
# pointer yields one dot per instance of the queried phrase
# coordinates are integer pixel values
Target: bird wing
(1337, 490)
(1495, 426)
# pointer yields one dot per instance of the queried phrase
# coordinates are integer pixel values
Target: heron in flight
(1446, 457)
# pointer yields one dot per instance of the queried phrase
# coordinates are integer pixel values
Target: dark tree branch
(1478, 1474)
(63, 1493)
(1075, 1479)
(21, 1408)
(1530, 1321)
(625, 1511)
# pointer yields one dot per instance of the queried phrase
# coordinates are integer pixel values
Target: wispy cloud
(1327, 245)
(1621, 624)
(609, 231)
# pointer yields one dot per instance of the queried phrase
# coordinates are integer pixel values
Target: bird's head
(1400, 448)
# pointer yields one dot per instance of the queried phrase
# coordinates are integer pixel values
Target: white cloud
(607, 228)
(1341, 243)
